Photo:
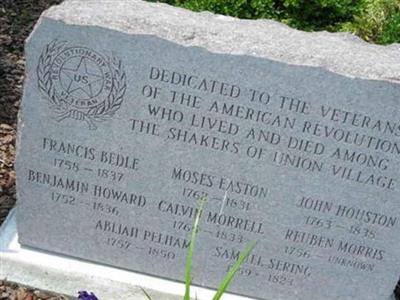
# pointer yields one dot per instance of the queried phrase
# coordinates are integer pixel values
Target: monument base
(66, 275)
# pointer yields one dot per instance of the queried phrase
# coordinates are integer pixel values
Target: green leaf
(145, 293)
(189, 257)
(232, 271)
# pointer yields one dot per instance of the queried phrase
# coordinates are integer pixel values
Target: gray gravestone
(133, 110)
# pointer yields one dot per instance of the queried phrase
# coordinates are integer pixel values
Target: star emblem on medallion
(83, 78)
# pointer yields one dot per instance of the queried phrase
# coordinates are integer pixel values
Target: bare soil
(13, 291)
(17, 18)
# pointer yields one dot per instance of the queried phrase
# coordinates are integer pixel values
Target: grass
(189, 260)
(189, 256)
(232, 271)
(376, 21)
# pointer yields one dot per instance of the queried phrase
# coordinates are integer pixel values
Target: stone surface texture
(67, 276)
(342, 53)
(133, 110)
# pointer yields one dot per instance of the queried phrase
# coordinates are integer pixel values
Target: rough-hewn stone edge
(342, 53)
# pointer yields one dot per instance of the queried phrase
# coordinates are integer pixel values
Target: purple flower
(83, 295)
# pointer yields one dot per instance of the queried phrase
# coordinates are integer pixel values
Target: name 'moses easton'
(209, 180)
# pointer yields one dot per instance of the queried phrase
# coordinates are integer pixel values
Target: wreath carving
(79, 98)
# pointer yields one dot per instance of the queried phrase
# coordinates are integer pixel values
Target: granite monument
(134, 110)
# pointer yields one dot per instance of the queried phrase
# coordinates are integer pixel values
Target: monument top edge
(341, 53)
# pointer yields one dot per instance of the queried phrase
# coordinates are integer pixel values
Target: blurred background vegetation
(376, 21)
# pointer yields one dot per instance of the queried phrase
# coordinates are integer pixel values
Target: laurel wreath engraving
(65, 110)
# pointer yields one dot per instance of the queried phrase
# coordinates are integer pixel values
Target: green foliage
(189, 256)
(376, 21)
(232, 271)
(146, 294)
(189, 260)
(237, 8)
(391, 30)
(302, 14)
(319, 14)
(379, 22)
